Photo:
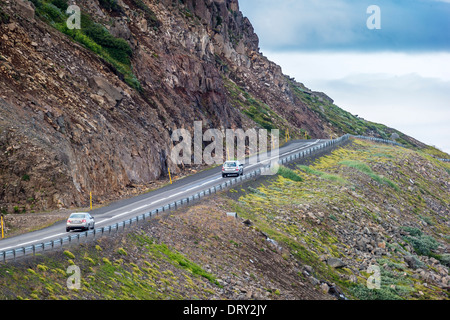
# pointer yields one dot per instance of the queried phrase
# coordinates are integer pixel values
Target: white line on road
(163, 199)
(205, 183)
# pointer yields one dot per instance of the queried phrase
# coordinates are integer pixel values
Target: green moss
(69, 254)
(149, 15)
(94, 37)
(51, 13)
(277, 208)
(90, 260)
(42, 267)
(423, 245)
(415, 232)
(110, 5)
(162, 251)
(258, 111)
(122, 251)
(364, 168)
(361, 292)
(289, 174)
(185, 263)
(324, 175)
(31, 271)
(436, 152)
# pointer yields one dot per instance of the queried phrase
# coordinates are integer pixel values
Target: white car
(232, 167)
(80, 220)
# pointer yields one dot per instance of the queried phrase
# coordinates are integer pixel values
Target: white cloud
(334, 65)
(296, 23)
(399, 76)
(406, 25)
(408, 92)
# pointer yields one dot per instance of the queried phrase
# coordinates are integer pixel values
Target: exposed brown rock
(80, 128)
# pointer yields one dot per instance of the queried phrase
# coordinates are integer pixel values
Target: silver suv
(232, 167)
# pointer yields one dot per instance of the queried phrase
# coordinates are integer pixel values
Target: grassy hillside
(310, 232)
(365, 204)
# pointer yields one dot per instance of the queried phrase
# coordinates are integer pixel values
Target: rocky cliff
(92, 110)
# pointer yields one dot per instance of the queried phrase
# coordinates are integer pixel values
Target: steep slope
(93, 110)
(361, 205)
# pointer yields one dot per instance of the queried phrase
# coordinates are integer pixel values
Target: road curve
(138, 205)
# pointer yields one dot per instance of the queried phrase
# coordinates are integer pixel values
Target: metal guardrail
(93, 234)
(445, 160)
(379, 140)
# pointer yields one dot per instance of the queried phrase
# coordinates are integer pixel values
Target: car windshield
(230, 164)
(77, 215)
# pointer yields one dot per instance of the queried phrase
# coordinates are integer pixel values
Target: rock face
(24, 9)
(70, 124)
(335, 263)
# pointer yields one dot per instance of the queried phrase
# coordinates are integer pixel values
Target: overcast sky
(398, 75)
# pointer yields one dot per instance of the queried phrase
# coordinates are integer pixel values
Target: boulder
(314, 281)
(120, 29)
(336, 263)
(104, 89)
(309, 269)
(412, 262)
(324, 287)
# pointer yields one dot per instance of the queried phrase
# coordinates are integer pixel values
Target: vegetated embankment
(310, 232)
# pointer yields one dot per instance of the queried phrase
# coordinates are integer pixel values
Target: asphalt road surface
(130, 208)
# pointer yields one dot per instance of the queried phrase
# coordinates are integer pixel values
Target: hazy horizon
(398, 75)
